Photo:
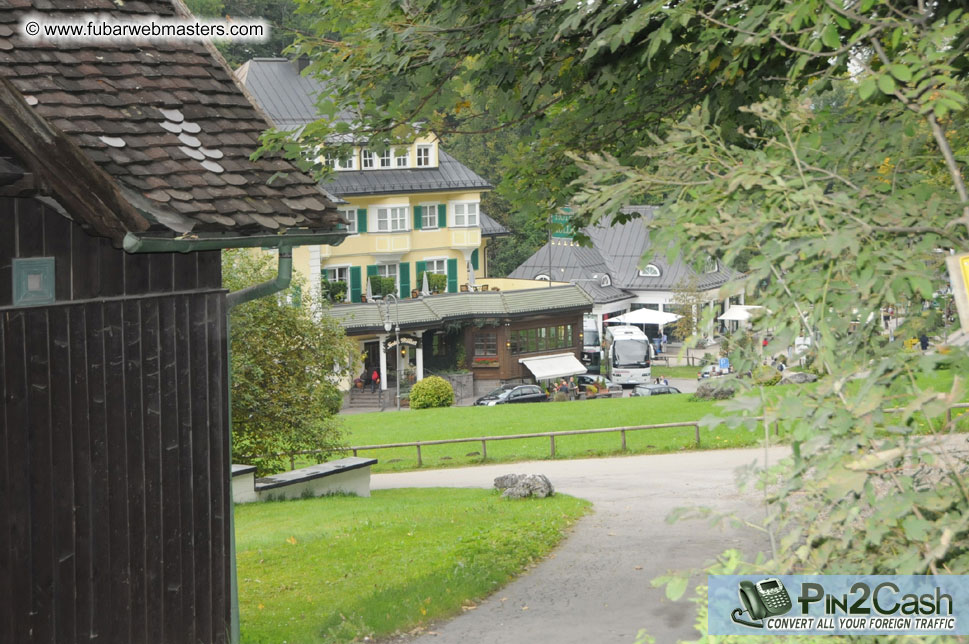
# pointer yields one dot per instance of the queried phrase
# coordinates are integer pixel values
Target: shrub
(591, 390)
(560, 396)
(766, 375)
(431, 392)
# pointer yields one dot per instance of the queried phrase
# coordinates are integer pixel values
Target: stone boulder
(797, 378)
(520, 486)
(716, 388)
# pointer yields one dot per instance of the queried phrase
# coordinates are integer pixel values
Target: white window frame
(350, 214)
(382, 270)
(452, 206)
(339, 267)
(429, 208)
(385, 159)
(650, 270)
(434, 260)
(400, 218)
(401, 157)
(429, 162)
(368, 160)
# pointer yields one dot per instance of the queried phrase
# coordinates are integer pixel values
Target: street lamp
(396, 327)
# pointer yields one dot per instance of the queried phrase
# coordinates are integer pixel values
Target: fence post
(551, 441)
(419, 461)
(777, 427)
(354, 452)
(697, 428)
(292, 462)
(484, 450)
(948, 419)
(623, 433)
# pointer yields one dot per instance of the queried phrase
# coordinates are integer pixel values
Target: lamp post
(396, 327)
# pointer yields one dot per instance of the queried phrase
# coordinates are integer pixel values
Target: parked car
(587, 379)
(653, 390)
(513, 394)
(709, 371)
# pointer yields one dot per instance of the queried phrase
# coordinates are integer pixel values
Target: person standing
(374, 381)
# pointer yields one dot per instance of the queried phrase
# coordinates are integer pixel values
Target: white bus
(627, 355)
(591, 345)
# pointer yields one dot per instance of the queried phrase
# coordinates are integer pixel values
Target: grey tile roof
(617, 250)
(431, 311)
(289, 99)
(165, 121)
(490, 227)
(450, 174)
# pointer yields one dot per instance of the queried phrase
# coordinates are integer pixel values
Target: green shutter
(417, 218)
(474, 259)
(361, 220)
(442, 215)
(452, 276)
(355, 284)
(404, 279)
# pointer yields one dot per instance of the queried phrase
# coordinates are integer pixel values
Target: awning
(646, 316)
(560, 365)
(738, 313)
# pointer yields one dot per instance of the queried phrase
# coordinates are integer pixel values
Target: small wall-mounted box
(33, 281)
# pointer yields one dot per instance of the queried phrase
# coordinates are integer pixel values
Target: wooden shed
(123, 170)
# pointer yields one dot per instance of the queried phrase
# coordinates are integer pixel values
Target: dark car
(653, 390)
(586, 379)
(513, 394)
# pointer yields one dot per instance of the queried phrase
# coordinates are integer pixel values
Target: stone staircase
(363, 399)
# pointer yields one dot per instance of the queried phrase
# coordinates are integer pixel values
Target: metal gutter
(284, 275)
(134, 243)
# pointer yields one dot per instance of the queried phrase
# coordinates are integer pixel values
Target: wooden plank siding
(114, 442)
(113, 477)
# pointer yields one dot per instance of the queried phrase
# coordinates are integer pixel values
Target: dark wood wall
(509, 368)
(114, 453)
(88, 267)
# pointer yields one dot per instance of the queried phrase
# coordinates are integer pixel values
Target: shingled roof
(362, 319)
(618, 251)
(167, 128)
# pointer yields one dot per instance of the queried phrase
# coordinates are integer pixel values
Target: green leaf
(675, 587)
(867, 87)
(896, 37)
(886, 84)
(916, 529)
(901, 72)
(830, 37)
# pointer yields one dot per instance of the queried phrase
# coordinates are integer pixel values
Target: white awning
(560, 365)
(738, 313)
(646, 316)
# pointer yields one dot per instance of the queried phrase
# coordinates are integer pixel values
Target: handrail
(552, 435)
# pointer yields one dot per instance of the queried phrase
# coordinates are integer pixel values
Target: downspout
(284, 276)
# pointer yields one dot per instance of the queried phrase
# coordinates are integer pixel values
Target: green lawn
(661, 371)
(337, 569)
(502, 420)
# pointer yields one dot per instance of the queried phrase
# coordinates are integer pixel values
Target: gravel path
(594, 589)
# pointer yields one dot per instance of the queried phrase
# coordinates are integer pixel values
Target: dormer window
(650, 270)
(543, 277)
(367, 160)
(711, 265)
(605, 280)
(345, 163)
(401, 157)
(385, 158)
(424, 156)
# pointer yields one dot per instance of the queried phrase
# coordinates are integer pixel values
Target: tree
(287, 360)
(821, 141)
(689, 303)
(281, 16)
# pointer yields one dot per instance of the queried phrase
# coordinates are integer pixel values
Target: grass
(660, 371)
(464, 422)
(337, 569)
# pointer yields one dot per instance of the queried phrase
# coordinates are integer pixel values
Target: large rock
(520, 486)
(797, 378)
(716, 388)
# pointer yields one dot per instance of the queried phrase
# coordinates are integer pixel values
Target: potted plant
(415, 293)
(464, 288)
(591, 391)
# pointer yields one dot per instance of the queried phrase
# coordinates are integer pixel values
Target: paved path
(595, 587)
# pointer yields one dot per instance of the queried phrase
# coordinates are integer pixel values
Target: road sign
(724, 364)
(959, 277)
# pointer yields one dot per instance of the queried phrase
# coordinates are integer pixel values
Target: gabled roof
(166, 127)
(430, 311)
(289, 98)
(617, 250)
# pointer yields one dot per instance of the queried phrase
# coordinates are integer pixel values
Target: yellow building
(410, 209)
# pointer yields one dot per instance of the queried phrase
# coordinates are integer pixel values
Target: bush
(431, 392)
(591, 390)
(560, 396)
(766, 375)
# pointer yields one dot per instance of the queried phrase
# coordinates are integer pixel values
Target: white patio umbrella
(738, 313)
(369, 290)
(646, 316)
(425, 287)
(471, 283)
